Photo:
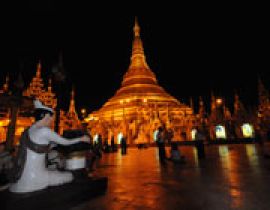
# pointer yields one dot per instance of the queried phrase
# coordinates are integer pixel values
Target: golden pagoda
(141, 105)
(36, 90)
(69, 119)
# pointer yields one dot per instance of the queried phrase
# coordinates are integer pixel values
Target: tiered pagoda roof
(139, 84)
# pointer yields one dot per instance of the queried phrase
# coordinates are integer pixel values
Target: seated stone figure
(29, 172)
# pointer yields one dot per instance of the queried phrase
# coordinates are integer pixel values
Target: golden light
(145, 100)
(128, 100)
(219, 101)
(193, 134)
(119, 137)
(121, 101)
(220, 132)
(90, 118)
(4, 123)
(83, 111)
(19, 131)
(248, 131)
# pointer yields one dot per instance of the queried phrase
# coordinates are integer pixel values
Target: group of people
(161, 137)
(112, 147)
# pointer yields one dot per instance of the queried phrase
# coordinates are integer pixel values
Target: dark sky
(192, 50)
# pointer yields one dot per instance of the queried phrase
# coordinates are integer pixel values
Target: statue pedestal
(59, 197)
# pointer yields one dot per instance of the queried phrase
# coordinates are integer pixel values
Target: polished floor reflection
(230, 177)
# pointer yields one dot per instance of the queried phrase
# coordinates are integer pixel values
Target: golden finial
(50, 85)
(72, 93)
(136, 28)
(5, 87)
(38, 74)
(200, 101)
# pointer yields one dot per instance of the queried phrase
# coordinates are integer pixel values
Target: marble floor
(231, 177)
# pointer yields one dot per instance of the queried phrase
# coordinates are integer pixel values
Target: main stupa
(140, 105)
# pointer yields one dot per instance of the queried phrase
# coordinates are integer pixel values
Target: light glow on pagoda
(140, 105)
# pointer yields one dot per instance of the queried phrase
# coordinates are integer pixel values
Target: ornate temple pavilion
(140, 105)
(36, 89)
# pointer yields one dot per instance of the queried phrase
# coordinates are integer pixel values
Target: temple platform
(60, 197)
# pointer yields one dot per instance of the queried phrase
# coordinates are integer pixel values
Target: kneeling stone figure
(29, 172)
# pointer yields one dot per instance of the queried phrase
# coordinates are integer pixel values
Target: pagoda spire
(50, 85)
(38, 72)
(136, 28)
(263, 97)
(5, 86)
(72, 102)
(213, 102)
(138, 57)
(138, 71)
(236, 103)
(201, 107)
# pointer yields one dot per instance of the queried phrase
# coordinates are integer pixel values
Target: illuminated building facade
(222, 124)
(36, 89)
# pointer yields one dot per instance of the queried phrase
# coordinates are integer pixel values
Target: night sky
(191, 50)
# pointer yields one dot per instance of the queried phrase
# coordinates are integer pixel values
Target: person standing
(123, 145)
(199, 143)
(160, 141)
(113, 149)
(98, 146)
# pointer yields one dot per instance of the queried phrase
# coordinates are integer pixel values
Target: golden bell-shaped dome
(139, 85)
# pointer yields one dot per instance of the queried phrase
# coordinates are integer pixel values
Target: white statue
(34, 174)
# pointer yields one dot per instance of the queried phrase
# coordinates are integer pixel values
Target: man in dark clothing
(161, 144)
(123, 145)
(113, 149)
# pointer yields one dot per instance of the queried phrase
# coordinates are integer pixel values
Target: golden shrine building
(36, 89)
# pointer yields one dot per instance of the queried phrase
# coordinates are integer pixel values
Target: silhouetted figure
(113, 147)
(98, 146)
(169, 135)
(106, 147)
(91, 158)
(123, 145)
(176, 154)
(200, 144)
(160, 141)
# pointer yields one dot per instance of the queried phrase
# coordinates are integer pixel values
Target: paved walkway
(231, 177)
